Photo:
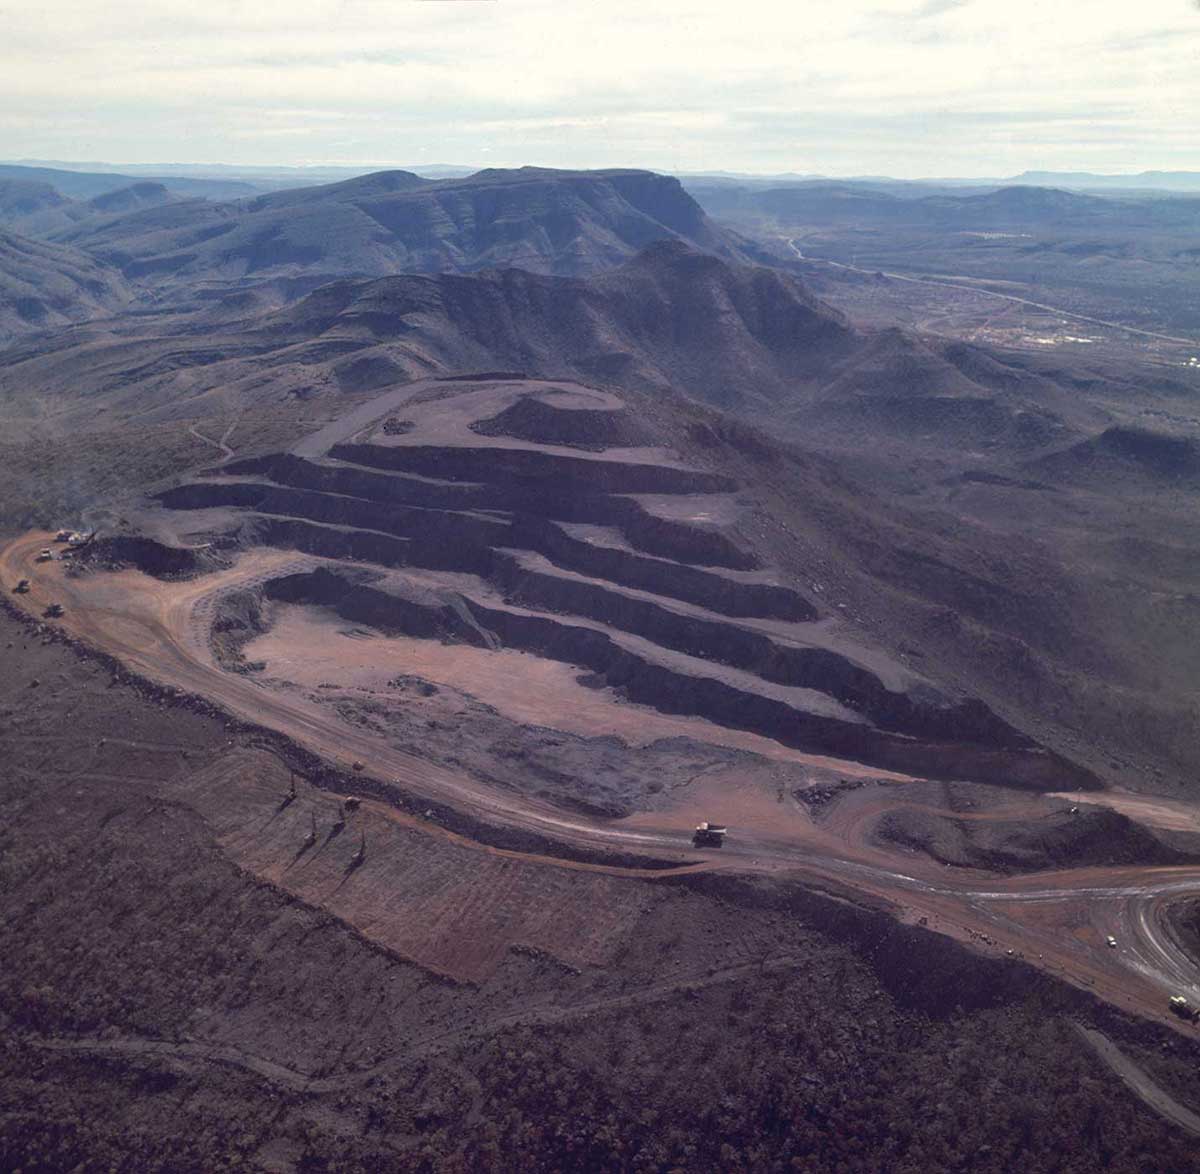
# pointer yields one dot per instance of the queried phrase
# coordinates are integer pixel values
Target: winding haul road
(1056, 921)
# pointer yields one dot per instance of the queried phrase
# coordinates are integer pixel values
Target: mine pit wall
(705, 589)
(467, 529)
(654, 536)
(474, 535)
(155, 558)
(523, 467)
(364, 546)
(662, 537)
(676, 540)
(812, 668)
(238, 619)
(675, 692)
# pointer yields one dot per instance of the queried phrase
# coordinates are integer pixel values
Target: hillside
(1136, 458)
(44, 285)
(144, 194)
(22, 198)
(544, 221)
(741, 337)
(870, 204)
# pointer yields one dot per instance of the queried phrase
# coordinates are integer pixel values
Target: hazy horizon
(249, 169)
(910, 88)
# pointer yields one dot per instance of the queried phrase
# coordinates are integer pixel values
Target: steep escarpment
(621, 560)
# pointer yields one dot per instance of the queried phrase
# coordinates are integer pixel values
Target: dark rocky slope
(546, 221)
(44, 285)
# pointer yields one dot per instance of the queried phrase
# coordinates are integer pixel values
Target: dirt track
(157, 629)
(1139, 1083)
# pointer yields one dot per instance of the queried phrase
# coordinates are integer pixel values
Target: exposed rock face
(623, 561)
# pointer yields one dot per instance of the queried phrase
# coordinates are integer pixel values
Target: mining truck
(709, 835)
(1181, 1007)
(54, 611)
(45, 555)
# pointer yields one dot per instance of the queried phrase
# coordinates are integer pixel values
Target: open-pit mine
(537, 645)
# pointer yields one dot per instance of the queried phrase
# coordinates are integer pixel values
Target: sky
(898, 87)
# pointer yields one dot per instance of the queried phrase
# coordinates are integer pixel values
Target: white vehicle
(1183, 1008)
(1111, 942)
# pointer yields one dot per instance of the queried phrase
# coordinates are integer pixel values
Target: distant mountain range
(389, 222)
(1168, 181)
(1015, 206)
(229, 181)
(85, 184)
(1179, 181)
(150, 243)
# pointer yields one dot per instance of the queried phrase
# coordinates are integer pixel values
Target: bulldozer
(22, 587)
(54, 611)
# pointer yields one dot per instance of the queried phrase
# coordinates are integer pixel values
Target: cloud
(938, 7)
(962, 85)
